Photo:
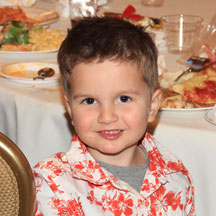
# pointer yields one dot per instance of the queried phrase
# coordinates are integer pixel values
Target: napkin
(78, 7)
(25, 3)
(129, 12)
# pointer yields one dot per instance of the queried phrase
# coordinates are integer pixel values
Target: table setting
(32, 110)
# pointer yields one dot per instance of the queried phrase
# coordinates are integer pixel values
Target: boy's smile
(110, 106)
(110, 134)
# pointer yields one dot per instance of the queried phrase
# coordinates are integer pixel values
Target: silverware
(194, 69)
(45, 72)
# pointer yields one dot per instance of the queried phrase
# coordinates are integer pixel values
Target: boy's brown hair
(107, 38)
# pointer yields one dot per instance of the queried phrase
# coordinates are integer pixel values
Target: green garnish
(17, 33)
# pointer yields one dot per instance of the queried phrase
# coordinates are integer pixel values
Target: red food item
(13, 14)
(205, 94)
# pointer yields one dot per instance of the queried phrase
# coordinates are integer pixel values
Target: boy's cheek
(82, 119)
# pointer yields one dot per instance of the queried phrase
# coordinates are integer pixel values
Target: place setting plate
(29, 52)
(25, 72)
(210, 115)
(43, 16)
(186, 109)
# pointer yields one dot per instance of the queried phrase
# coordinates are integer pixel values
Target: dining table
(35, 118)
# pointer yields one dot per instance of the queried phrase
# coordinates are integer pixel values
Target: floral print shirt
(75, 184)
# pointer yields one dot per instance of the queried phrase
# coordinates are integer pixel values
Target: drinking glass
(205, 44)
(181, 31)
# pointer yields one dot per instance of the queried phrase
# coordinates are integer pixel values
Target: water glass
(181, 31)
(205, 43)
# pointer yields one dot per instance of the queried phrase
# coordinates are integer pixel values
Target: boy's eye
(89, 101)
(124, 99)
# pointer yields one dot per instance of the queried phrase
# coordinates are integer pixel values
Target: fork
(194, 69)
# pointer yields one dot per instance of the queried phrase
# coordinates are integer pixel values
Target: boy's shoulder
(160, 156)
(165, 166)
(52, 164)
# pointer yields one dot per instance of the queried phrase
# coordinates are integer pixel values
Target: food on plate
(19, 36)
(174, 101)
(8, 14)
(27, 72)
(130, 14)
(154, 25)
(198, 90)
(140, 21)
(46, 39)
(27, 15)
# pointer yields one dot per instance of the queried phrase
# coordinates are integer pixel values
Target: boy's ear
(155, 105)
(67, 103)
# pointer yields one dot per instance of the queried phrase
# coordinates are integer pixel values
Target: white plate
(210, 117)
(51, 1)
(28, 52)
(24, 72)
(186, 109)
(44, 17)
(100, 2)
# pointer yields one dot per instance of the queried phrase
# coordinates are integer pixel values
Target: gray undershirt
(134, 176)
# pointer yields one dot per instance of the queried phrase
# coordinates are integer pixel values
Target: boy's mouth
(110, 134)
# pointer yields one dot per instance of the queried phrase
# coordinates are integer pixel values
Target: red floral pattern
(75, 184)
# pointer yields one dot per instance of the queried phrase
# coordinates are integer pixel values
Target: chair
(17, 188)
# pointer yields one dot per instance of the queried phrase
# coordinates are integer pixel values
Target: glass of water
(181, 31)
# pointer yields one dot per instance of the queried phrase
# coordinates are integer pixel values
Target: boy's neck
(129, 158)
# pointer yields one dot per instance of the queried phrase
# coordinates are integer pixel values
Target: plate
(44, 17)
(185, 109)
(210, 117)
(51, 1)
(28, 52)
(24, 72)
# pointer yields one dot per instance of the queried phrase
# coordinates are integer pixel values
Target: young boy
(113, 167)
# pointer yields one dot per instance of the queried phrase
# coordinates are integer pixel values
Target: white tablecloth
(35, 118)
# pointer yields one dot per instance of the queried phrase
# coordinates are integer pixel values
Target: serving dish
(28, 52)
(186, 109)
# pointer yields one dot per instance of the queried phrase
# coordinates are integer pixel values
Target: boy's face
(110, 106)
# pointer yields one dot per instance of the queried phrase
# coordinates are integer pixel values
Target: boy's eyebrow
(79, 95)
(123, 92)
(129, 91)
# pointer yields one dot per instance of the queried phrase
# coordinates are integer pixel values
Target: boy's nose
(107, 115)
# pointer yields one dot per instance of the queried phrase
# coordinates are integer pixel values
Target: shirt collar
(84, 166)
(161, 164)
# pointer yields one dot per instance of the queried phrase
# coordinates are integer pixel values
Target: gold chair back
(17, 188)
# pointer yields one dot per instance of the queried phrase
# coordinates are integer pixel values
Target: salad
(17, 32)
